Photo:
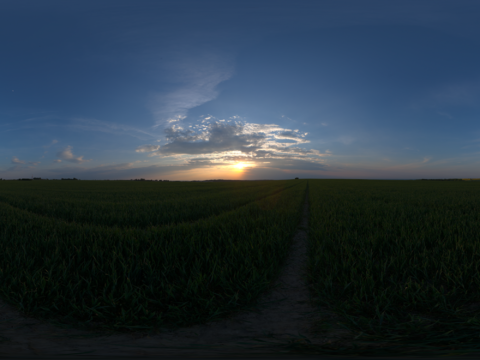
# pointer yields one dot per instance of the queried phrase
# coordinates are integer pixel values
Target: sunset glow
(239, 166)
(316, 90)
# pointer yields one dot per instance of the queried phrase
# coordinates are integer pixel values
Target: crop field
(393, 255)
(135, 255)
(398, 260)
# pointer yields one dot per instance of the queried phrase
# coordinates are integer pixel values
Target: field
(140, 255)
(393, 256)
(398, 260)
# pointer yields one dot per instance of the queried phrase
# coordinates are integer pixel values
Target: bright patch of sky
(188, 89)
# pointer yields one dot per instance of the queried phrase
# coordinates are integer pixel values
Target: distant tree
(296, 178)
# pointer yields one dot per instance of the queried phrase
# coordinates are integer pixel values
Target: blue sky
(195, 90)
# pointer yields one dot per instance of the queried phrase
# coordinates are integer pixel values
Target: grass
(144, 278)
(132, 204)
(399, 260)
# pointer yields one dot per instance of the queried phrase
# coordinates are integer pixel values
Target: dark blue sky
(239, 89)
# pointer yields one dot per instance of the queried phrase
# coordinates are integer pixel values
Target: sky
(248, 90)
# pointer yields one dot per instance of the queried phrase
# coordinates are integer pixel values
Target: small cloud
(323, 124)
(67, 155)
(176, 119)
(34, 163)
(147, 148)
(57, 161)
(53, 142)
(15, 160)
(291, 135)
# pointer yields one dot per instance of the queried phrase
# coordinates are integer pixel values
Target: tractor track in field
(284, 318)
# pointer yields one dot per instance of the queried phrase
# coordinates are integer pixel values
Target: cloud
(109, 127)
(15, 160)
(21, 164)
(147, 148)
(292, 135)
(217, 137)
(57, 161)
(67, 155)
(53, 142)
(213, 142)
(197, 78)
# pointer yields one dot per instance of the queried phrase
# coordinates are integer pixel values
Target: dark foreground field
(316, 266)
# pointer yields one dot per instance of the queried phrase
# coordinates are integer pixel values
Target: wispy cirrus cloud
(197, 78)
(292, 135)
(95, 125)
(147, 148)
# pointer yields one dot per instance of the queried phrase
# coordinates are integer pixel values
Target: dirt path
(285, 316)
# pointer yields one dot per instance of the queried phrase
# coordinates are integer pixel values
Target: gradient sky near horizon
(196, 90)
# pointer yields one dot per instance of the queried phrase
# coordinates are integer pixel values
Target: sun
(239, 166)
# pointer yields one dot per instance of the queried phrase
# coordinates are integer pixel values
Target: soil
(286, 316)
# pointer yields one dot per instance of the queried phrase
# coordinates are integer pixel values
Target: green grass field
(389, 254)
(183, 265)
(140, 255)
